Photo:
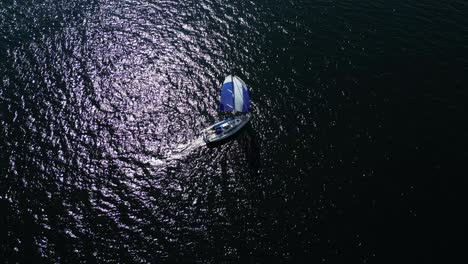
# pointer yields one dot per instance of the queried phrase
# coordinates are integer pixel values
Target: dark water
(355, 105)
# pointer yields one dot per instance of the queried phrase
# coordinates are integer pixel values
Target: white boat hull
(225, 128)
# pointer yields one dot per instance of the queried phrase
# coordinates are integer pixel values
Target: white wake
(178, 153)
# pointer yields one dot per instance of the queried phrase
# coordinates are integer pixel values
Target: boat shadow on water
(248, 142)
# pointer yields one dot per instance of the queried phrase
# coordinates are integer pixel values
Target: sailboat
(234, 99)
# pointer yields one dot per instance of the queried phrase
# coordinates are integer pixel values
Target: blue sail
(234, 95)
(227, 97)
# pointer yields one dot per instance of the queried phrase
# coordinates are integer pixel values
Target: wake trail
(179, 152)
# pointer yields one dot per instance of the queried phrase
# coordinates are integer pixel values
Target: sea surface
(355, 105)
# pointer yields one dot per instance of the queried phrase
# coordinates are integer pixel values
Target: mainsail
(234, 95)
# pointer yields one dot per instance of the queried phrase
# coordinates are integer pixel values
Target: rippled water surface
(102, 103)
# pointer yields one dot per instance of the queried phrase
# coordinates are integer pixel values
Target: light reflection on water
(116, 96)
